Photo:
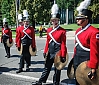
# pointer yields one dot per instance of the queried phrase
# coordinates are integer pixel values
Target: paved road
(9, 66)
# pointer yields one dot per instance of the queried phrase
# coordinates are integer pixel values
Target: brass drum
(31, 52)
(20, 52)
(57, 62)
(8, 44)
(70, 70)
(82, 75)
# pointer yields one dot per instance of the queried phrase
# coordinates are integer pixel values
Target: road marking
(22, 76)
(32, 78)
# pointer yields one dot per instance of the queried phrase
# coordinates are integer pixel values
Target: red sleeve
(94, 51)
(63, 44)
(18, 38)
(47, 44)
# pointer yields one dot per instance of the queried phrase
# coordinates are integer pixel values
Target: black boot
(57, 83)
(6, 56)
(27, 68)
(20, 70)
(37, 83)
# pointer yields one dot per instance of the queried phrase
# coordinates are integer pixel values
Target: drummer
(86, 43)
(56, 41)
(6, 34)
(25, 37)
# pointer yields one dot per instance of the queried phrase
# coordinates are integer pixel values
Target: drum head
(70, 70)
(82, 75)
(8, 44)
(57, 62)
(31, 52)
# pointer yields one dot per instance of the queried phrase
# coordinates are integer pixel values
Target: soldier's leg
(8, 52)
(56, 77)
(27, 57)
(28, 62)
(22, 58)
(5, 46)
(46, 71)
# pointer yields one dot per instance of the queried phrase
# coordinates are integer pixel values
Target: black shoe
(56, 83)
(19, 71)
(37, 83)
(6, 56)
(28, 69)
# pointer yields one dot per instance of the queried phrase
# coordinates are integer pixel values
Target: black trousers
(7, 49)
(48, 65)
(25, 57)
(40, 33)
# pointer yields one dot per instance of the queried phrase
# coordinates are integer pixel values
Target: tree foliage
(70, 4)
(6, 8)
(39, 10)
(94, 7)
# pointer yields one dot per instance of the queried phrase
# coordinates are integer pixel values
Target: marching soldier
(56, 41)
(6, 36)
(24, 38)
(86, 44)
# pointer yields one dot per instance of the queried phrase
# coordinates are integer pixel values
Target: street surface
(9, 66)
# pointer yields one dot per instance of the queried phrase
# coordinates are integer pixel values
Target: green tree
(13, 9)
(70, 4)
(39, 10)
(6, 7)
(0, 14)
(94, 7)
(13, 12)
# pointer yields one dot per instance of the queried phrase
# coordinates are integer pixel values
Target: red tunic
(89, 38)
(7, 32)
(17, 34)
(20, 34)
(60, 36)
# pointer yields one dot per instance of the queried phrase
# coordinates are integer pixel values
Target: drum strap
(78, 41)
(52, 38)
(26, 33)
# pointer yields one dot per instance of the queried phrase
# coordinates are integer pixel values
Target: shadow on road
(68, 81)
(5, 69)
(15, 55)
(37, 62)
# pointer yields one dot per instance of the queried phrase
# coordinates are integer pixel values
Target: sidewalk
(70, 34)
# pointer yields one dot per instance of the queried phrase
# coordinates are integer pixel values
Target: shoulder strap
(78, 41)
(52, 38)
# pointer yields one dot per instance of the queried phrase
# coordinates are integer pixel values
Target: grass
(75, 26)
(71, 27)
